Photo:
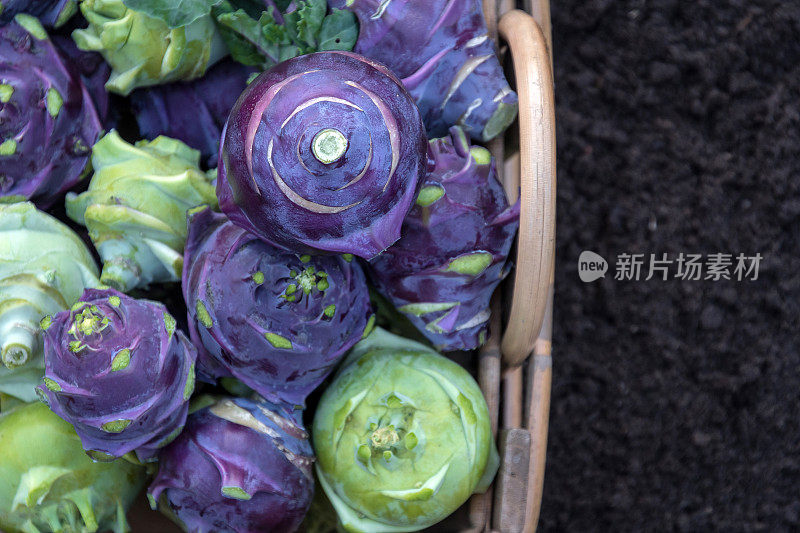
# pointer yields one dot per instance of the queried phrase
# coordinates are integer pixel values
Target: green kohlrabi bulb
(135, 208)
(143, 50)
(44, 268)
(48, 484)
(402, 437)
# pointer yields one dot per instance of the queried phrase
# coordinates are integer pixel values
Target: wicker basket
(513, 371)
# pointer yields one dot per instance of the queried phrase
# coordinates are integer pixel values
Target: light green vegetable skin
(44, 267)
(135, 208)
(402, 437)
(143, 50)
(47, 483)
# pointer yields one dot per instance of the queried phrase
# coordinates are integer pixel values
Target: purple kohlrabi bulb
(48, 119)
(192, 111)
(119, 372)
(240, 466)
(276, 320)
(94, 72)
(442, 51)
(323, 152)
(443, 271)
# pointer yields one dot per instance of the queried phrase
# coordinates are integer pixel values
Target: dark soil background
(676, 404)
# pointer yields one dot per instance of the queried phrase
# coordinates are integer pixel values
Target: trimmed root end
(329, 145)
(15, 355)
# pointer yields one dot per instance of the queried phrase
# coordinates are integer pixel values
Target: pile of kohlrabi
(215, 217)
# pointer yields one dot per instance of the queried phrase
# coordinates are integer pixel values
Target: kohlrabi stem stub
(329, 145)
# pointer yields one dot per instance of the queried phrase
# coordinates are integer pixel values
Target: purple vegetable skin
(48, 119)
(94, 72)
(276, 320)
(51, 13)
(119, 372)
(455, 243)
(194, 111)
(239, 466)
(441, 51)
(323, 152)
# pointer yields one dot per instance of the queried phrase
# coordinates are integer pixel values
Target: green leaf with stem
(175, 13)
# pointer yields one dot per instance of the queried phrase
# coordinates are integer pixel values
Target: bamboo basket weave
(514, 369)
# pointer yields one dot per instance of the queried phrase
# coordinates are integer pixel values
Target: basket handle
(535, 249)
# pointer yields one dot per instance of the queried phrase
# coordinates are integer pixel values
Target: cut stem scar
(329, 145)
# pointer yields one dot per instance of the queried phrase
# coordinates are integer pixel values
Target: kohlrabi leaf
(253, 7)
(272, 30)
(283, 5)
(175, 13)
(339, 31)
(245, 37)
(304, 23)
(273, 36)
